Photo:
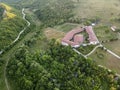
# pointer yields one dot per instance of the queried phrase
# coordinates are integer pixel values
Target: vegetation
(55, 13)
(101, 57)
(50, 12)
(1, 13)
(86, 49)
(105, 33)
(9, 30)
(54, 67)
(10, 26)
(58, 68)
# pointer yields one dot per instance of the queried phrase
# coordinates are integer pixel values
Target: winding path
(79, 52)
(88, 53)
(17, 38)
(28, 24)
(93, 50)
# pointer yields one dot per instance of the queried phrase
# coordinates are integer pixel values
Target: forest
(58, 68)
(55, 13)
(9, 28)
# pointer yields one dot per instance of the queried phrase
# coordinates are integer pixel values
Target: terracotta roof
(74, 39)
(72, 35)
(92, 36)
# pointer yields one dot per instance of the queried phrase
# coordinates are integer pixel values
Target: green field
(114, 46)
(66, 27)
(104, 9)
(101, 57)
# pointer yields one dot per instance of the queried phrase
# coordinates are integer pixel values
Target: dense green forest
(9, 28)
(55, 13)
(58, 68)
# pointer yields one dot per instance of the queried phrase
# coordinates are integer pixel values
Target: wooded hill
(50, 12)
(10, 25)
(58, 68)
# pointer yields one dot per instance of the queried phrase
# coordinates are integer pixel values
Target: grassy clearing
(114, 46)
(103, 58)
(101, 8)
(52, 33)
(86, 49)
(66, 27)
(104, 33)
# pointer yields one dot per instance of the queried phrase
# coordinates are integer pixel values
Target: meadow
(103, 58)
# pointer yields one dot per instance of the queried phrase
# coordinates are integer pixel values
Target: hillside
(10, 25)
(58, 68)
(38, 61)
(74, 11)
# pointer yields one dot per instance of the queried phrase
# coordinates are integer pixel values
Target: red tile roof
(74, 39)
(72, 35)
(92, 36)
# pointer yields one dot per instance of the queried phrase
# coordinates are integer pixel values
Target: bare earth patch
(52, 33)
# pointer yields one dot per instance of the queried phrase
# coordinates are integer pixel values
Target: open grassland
(66, 27)
(104, 33)
(105, 9)
(114, 46)
(105, 59)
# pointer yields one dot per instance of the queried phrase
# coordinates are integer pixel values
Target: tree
(58, 68)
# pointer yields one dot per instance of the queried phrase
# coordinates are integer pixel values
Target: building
(92, 37)
(72, 38)
(75, 39)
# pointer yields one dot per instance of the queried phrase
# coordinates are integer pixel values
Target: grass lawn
(98, 8)
(109, 61)
(113, 46)
(104, 33)
(86, 49)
